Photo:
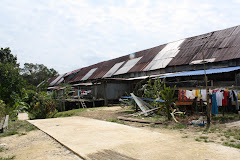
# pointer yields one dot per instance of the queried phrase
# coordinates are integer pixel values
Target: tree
(167, 94)
(7, 57)
(11, 82)
(158, 90)
(152, 90)
(34, 74)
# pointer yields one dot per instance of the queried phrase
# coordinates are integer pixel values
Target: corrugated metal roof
(57, 80)
(83, 84)
(51, 79)
(89, 74)
(113, 69)
(201, 72)
(69, 73)
(216, 46)
(162, 59)
(147, 57)
(130, 63)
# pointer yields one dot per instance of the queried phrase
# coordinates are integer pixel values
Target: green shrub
(41, 106)
(2, 109)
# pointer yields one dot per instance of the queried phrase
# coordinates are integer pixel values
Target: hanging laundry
(219, 96)
(236, 99)
(182, 96)
(230, 107)
(197, 92)
(225, 98)
(214, 104)
(204, 94)
(190, 94)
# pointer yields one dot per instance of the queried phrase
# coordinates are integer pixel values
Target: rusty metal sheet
(147, 57)
(219, 45)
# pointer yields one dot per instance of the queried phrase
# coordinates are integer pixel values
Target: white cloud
(71, 34)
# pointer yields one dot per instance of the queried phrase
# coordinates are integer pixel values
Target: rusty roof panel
(103, 68)
(148, 55)
(218, 46)
(52, 79)
(107, 65)
(215, 45)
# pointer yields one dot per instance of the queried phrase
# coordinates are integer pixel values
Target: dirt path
(23, 116)
(36, 145)
(94, 139)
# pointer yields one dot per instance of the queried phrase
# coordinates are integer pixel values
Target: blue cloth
(214, 104)
(145, 99)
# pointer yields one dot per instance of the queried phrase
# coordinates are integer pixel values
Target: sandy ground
(95, 139)
(35, 145)
(22, 116)
(38, 145)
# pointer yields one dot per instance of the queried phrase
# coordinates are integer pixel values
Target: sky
(71, 34)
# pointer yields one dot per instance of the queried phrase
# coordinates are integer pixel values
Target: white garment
(219, 96)
(190, 94)
(204, 94)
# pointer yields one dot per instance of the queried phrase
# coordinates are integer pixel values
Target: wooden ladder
(83, 104)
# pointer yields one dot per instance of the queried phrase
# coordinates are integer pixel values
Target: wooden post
(207, 96)
(105, 93)
(64, 105)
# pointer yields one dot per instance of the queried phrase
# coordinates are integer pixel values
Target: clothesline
(218, 97)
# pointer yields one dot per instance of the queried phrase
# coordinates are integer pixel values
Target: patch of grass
(154, 118)
(179, 126)
(9, 133)
(235, 133)
(22, 134)
(70, 113)
(8, 158)
(197, 139)
(1, 149)
(184, 136)
(213, 129)
(129, 111)
(165, 126)
(237, 137)
(235, 145)
(227, 136)
(17, 127)
(203, 137)
(225, 118)
(115, 121)
(153, 125)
